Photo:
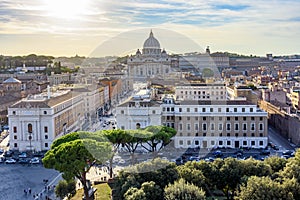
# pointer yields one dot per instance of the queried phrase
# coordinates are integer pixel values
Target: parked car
(23, 161)
(23, 155)
(10, 161)
(34, 160)
(218, 154)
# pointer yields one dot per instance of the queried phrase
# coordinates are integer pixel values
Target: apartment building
(201, 91)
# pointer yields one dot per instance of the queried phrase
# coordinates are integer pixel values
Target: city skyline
(67, 28)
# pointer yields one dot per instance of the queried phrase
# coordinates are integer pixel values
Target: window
(15, 145)
(153, 111)
(204, 128)
(228, 143)
(252, 135)
(244, 118)
(180, 126)
(260, 118)
(172, 109)
(212, 142)
(245, 134)
(244, 127)
(228, 127)
(252, 127)
(203, 110)
(261, 143)
(227, 109)
(45, 112)
(211, 110)
(236, 135)
(243, 109)
(251, 109)
(196, 142)
(15, 137)
(228, 118)
(180, 142)
(180, 109)
(189, 142)
(220, 119)
(46, 137)
(245, 143)
(204, 134)
(220, 143)
(236, 119)
(15, 129)
(197, 134)
(220, 134)
(212, 127)
(204, 118)
(219, 109)
(188, 126)
(45, 129)
(261, 135)
(14, 112)
(212, 118)
(235, 109)
(187, 109)
(220, 127)
(188, 118)
(252, 143)
(228, 134)
(122, 111)
(196, 127)
(195, 109)
(196, 118)
(122, 127)
(179, 118)
(46, 144)
(252, 118)
(236, 127)
(261, 127)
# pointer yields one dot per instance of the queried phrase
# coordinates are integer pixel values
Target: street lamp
(30, 138)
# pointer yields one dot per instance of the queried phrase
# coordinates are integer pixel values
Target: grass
(103, 192)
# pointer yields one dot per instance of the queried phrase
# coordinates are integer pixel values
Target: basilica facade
(151, 62)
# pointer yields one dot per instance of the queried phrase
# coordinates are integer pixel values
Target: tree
(181, 190)
(149, 190)
(159, 171)
(206, 72)
(276, 163)
(160, 135)
(65, 189)
(74, 156)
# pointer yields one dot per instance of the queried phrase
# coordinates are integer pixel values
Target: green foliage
(159, 171)
(73, 156)
(65, 188)
(276, 163)
(149, 190)
(206, 72)
(181, 190)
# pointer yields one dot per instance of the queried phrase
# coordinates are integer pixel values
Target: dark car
(288, 153)
(218, 154)
(23, 161)
(265, 152)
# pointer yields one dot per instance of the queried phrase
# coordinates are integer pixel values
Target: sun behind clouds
(66, 9)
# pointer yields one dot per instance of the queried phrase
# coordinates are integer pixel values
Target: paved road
(280, 141)
(15, 178)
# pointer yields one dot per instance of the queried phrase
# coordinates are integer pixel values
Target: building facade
(36, 121)
(151, 62)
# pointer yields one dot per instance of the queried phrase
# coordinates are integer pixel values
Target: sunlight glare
(66, 9)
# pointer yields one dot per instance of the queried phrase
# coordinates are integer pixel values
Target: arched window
(138, 125)
(29, 128)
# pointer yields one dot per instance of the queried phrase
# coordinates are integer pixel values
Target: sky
(70, 27)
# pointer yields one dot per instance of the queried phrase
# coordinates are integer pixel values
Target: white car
(34, 160)
(10, 161)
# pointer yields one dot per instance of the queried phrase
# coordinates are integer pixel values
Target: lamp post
(30, 138)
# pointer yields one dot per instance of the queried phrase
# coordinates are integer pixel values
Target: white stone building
(34, 122)
(151, 62)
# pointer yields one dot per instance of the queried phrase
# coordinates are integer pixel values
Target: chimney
(49, 91)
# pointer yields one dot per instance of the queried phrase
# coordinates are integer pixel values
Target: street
(278, 140)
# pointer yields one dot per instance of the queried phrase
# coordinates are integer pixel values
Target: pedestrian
(29, 190)
(25, 191)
